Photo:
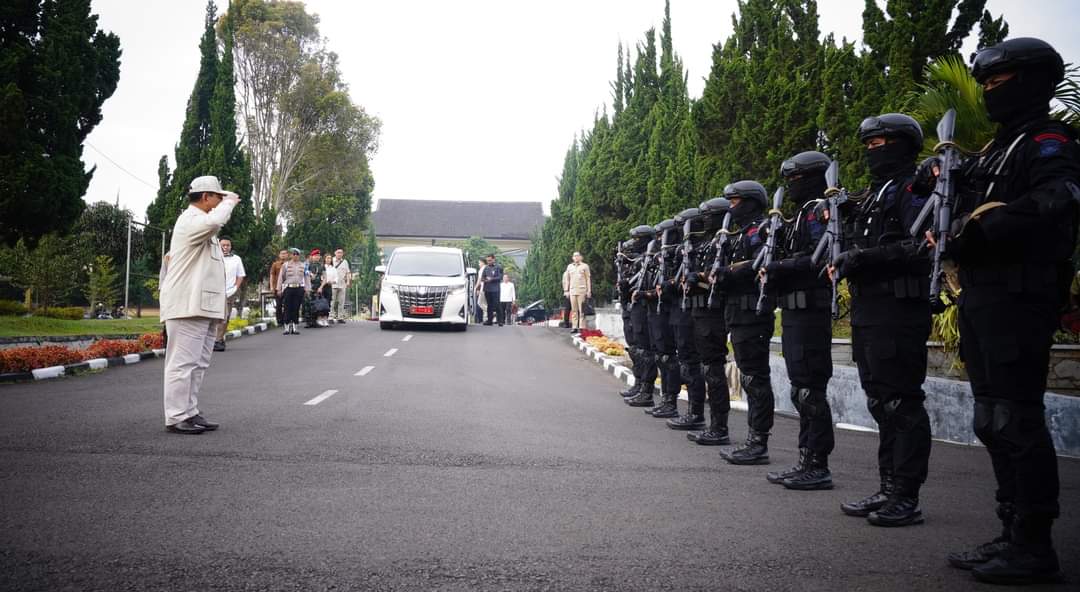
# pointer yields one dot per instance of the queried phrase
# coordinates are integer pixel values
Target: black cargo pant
(662, 337)
(891, 359)
(1005, 339)
(645, 364)
(710, 339)
(682, 323)
(807, 347)
(750, 335)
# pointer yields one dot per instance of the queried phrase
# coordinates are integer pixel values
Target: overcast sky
(479, 100)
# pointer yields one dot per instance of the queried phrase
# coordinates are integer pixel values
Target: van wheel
(386, 325)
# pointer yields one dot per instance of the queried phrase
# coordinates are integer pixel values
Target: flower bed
(25, 359)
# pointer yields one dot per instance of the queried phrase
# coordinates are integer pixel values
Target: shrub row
(11, 308)
(15, 308)
(25, 359)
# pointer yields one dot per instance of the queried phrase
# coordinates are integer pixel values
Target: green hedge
(11, 308)
(71, 313)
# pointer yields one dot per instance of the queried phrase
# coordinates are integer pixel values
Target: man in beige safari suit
(193, 301)
(577, 286)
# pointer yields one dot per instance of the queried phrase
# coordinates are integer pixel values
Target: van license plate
(423, 310)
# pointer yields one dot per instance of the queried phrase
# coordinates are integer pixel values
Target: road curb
(612, 364)
(104, 363)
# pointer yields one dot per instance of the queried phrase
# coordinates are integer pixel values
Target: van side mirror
(380, 269)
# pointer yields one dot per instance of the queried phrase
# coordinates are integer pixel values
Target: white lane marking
(363, 371)
(390, 352)
(326, 395)
(406, 338)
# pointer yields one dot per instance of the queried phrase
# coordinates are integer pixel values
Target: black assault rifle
(941, 204)
(686, 269)
(833, 239)
(765, 256)
(720, 242)
(646, 263)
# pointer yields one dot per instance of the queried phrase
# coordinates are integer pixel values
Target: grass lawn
(46, 327)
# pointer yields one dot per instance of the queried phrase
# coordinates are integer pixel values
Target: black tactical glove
(926, 176)
(847, 263)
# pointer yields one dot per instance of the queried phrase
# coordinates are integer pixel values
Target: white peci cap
(208, 183)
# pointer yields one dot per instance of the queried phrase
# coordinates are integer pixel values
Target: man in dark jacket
(490, 278)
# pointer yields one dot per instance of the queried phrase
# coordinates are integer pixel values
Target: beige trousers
(337, 303)
(577, 305)
(187, 356)
(222, 327)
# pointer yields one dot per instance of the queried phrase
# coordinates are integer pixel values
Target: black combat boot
(902, 509)
(1028, 559)
(800, 465)
(816, 476)
(872, 502)
(644, 398)
(987, 551)
(693, 419)
(635, 370)
(754, 452)
(630, 392)
(668, 407)
(717, 434)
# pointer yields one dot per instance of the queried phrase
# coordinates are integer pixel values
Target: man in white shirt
(234, 278)
(193, 301)
(341, 286)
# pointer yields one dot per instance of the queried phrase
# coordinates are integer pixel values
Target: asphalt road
(497, 459)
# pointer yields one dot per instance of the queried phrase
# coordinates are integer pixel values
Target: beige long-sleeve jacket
(577, 279)
(195, 283)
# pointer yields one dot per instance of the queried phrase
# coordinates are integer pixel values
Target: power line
(117, 165)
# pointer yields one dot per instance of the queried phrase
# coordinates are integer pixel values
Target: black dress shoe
(185, 427)
(219, 346)
(203, 423)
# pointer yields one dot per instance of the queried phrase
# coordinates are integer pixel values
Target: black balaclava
(1021, 97)
(745, 212)
(891, 159)
(807, 187)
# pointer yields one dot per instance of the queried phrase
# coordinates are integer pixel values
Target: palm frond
(949, 85)
(1068, 95)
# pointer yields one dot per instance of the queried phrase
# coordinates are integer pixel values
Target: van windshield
(426, 264)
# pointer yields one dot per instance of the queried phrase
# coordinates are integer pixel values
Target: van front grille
(433, 296)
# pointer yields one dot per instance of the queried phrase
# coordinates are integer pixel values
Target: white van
(425, 285)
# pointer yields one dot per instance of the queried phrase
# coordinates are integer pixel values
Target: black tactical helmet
(687, 214)
(1021, 53)
(892, 125)
(748, 190)
(665, 225)
(716, 205)
(628, 245)
(643, 231)
(802, 163)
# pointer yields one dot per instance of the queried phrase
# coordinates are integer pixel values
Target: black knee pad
(882, 409)
(803, 400)
(984, 422)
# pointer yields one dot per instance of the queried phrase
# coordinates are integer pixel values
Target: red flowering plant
(113, 348)
(25, 359)
(152, 340)
(587, 333)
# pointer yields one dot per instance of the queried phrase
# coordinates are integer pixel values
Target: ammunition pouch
(808, 299)
(902, 287)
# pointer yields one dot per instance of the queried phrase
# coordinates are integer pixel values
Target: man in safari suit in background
(193, 301)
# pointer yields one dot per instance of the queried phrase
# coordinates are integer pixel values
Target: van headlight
(393, 288)
(456, 289)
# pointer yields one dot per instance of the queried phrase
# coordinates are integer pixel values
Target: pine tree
(56, 71)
